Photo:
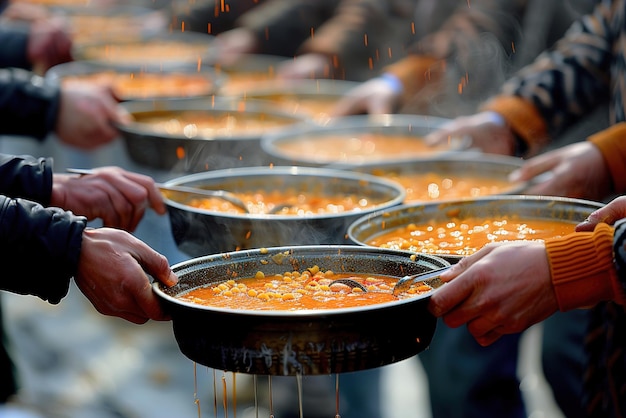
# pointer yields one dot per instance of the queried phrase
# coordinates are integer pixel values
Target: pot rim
(400, 191)
(359, 123)
(203, 104)
(445, 204)
(241, 255)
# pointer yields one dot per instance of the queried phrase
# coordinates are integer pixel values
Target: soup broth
(200, 124)
(433, 186)
(295, 203)
(295, 290)
(145, 85)
(359, 148)
(462, 237)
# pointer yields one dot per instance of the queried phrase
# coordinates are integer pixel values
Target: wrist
(520, 147)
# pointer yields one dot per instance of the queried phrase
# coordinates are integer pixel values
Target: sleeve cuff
(416, 71)
(524, 119)
(613, 148)
(582, 269)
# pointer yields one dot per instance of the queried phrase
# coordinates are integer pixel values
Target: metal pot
(465, 166)
(162, 48)
(364, 229)
(312, 98)
(305, 342)
(198, 232)
(300, 145)
(188, 154)
(121, 79)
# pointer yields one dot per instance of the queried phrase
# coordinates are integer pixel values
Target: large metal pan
(181, 152)
(139, 82)
(198, 232)
(573, 211)
(162, 48)
(304, 342)
(352, 141)
(468, 174)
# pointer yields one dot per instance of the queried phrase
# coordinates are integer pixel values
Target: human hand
(87, 115)
(504, 288)
(49, 44)
(234, 43)
(25, 12)
(486, 133)
(375, 96)
(112, 274)
(116, 196)
(577, 170)
(609, 214)
(305, 66)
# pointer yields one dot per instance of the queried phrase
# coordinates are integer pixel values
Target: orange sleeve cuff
(612, 145)
(416, 71)
(523, 118)
(582, 269)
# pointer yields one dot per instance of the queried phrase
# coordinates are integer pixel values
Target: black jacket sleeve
(39, 248)
(26, 177)
(29, 104)
(14, 41)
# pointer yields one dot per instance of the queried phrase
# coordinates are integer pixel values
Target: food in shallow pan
(148, 51)
(300, 342)
(290, 201)
(301, 290)
(436, 186)
(143, 85)
(466, 236)
(456, 228)
(360, 147)
(203, 124)
(353, 141)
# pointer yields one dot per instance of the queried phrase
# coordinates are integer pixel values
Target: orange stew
(199, 124)
(296, 203)
(464, 237)
(146, 51)
(359, 148)
(434, 186)
(294, 290)
(145, 85)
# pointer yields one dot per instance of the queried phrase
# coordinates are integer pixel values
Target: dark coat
(39, 245)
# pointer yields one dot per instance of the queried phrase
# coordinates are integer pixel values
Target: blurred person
(447, 72)
(32, 38)
(583, 71)
(43, 225)
(560, 88)
(82, 115)
(322, 39)
(454, 65)
(507, 287)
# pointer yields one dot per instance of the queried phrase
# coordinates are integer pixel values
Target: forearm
(29, 105)
(592, 277)
(26, 177)
(39, 247)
